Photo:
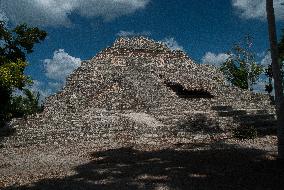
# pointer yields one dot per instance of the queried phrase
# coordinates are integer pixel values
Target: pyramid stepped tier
(138, 91)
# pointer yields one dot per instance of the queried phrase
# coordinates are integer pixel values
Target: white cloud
(45, 89)
(42, 89)
(261, 54)
(3, 17)
(56, 70)
(261, 83)
(110, 9)
(172, 44)
(61, 65)
(214, 59)
(266, 60)
(259, 86)
(124, 33)
(255, 9)
(55, 86)
(56, 12)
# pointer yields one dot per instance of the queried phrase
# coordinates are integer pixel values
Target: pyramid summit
(137, 92)
(142, 47)
(139, 42)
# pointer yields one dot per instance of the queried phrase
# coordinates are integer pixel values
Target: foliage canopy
(15, 44)
(241, 68)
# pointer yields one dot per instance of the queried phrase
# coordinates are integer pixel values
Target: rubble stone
(122, 95)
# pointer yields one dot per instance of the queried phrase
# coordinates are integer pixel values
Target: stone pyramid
(138, 91)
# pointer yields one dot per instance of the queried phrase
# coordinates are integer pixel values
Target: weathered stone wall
(123, 90)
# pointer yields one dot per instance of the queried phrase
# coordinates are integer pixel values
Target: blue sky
(79, 29)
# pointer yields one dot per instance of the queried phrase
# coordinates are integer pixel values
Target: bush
(20, 106)
(28, 104)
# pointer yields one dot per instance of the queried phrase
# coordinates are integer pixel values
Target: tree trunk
(276, 70)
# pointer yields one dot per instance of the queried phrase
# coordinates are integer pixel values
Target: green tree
(241, 68)
(26, 104)
(14, 45)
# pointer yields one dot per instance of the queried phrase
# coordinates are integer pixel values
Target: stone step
(260, 123)
(260, 111)
(222, 108)
(76, 133)
(272, 130)
(255, 117)
(231, 113)
(29, 139)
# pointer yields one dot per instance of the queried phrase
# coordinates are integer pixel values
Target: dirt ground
(230, 164)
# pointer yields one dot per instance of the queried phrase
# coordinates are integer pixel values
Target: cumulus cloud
(261, 83)
(42, 89)
(61, 65)
(3, 17)
(5, 21)
(56, 70)
(124, 33)
(266, 60)
(255, 9)
(214, 59)
(56, 12)
(172, 44)
(260, 86)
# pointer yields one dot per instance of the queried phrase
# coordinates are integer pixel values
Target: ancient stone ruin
(138, 91)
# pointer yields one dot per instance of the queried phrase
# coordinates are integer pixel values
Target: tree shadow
(6, 132)
(199, 124)
(264, 122)
(127, 168)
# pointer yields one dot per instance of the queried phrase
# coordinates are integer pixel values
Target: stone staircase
(118, 127)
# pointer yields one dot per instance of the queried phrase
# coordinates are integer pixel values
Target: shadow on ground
(127, 168)
(6, 132)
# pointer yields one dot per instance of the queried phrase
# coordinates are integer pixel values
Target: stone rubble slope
(122, 95)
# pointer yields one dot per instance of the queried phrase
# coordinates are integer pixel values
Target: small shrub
(20, 106)
(245, 132)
